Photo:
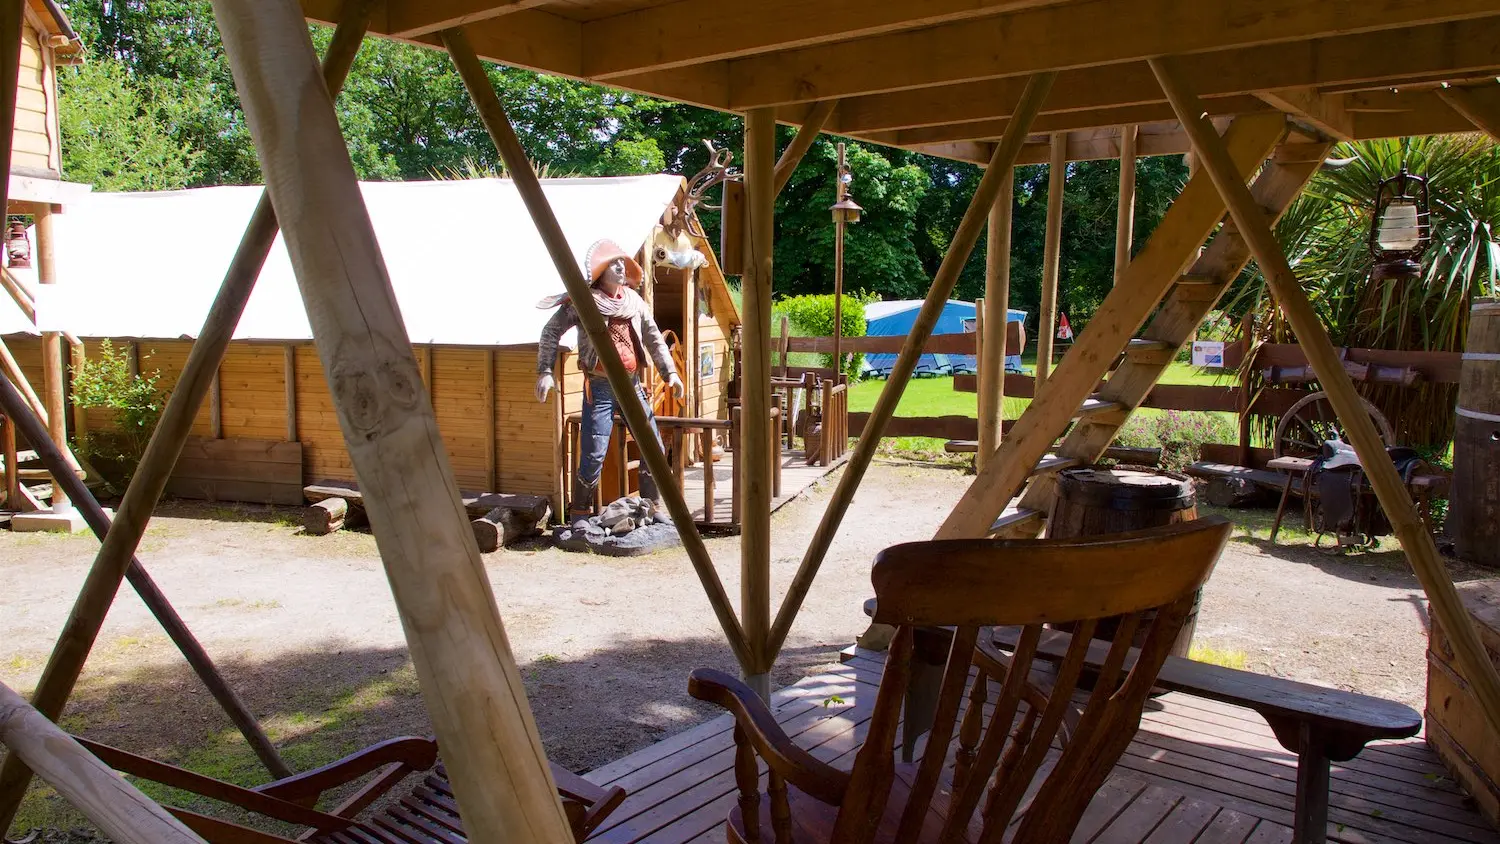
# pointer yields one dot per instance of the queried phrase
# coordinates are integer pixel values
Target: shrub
(812, 316)
(134, 402)
(1179, 434)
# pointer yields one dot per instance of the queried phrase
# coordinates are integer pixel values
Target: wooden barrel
(1474, 499)
(1098, 500)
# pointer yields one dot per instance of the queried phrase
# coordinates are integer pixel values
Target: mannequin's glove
(678, 391)
(543, 386)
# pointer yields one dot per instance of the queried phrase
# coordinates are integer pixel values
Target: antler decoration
(716, 172)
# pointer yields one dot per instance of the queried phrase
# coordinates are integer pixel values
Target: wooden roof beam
(1432, 54)
(1480, 105)
(1392, 114)
(688, 32)
(1324, 112)
(1065, 122)
(1062, 37)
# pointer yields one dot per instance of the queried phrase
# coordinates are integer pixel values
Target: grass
(1214, 656)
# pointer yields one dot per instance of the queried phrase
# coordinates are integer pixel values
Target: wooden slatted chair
(977, 789)
(426, 814)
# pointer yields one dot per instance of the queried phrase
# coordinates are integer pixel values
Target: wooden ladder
(1186, 303)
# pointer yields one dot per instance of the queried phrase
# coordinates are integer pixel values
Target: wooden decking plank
(1433, 801)
(1270, 833)
(1232, 776)
(1228, 827)
(1187, 821)
(1140, 818)
(1112, 798)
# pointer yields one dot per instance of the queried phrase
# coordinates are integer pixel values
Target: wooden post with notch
(1046, 330)
(959, 248)
(473, 689)
(991, 375)
(1406, 523)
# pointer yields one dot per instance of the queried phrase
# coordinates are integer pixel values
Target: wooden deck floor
(1198, 771)
(796, 476)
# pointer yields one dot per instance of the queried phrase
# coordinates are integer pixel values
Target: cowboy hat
(601, 254)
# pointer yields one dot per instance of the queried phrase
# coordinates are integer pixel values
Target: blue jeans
(598, 424)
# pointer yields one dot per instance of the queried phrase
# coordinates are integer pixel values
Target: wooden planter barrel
(1099, 500)
(1456, 727)
(1474, 499)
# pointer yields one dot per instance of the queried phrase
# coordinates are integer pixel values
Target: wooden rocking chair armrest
(997, 664)
(265, 804)
(414, 754)
(598, 801)
(795, 765)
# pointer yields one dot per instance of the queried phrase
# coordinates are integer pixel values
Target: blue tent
(886, 319)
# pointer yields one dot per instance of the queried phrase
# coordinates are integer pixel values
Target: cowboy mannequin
(638, 341)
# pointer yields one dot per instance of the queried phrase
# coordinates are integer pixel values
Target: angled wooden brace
(1389, 489)
(470, 683)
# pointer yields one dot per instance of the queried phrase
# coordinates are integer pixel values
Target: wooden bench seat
(1318, 724)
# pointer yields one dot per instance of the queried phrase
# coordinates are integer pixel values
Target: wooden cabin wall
(713, 391)
(35, 144)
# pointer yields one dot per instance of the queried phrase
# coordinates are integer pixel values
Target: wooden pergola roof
(943, 76)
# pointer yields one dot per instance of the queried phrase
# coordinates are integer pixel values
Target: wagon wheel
(1301, 430)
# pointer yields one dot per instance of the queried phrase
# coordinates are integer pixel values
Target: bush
(135, 404)
(812, 316)
(1179, 434)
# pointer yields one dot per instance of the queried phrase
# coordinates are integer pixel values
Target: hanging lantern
(1400, 229)
(17, 244)
(846, 210)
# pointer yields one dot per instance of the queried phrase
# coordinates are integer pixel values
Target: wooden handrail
(105, 798)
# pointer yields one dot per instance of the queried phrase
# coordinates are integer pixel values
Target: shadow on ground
(320, 705)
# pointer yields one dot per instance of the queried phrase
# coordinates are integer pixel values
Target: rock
(640, 541)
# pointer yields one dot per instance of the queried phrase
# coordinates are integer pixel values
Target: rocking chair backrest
(970, 584)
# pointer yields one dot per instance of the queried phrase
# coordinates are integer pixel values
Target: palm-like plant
(1325, 234)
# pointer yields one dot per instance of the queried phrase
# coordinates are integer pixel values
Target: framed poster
(705, 361)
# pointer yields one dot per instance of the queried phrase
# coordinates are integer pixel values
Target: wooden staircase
(1175, 313)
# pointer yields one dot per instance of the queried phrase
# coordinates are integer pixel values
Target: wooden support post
(1173, 246)
(736, 439)
(1406, 523)
(12, 473)
(838, 268)
(560, 474)
(492, 112)
(76, 360)
(996, 316)
(289, 376)
(1247, 366)
(1046, 329)
(1125, 213)
(802, 142)
(491, 465)
(18, 377)
(708, 474)
(783, 348)
(995, 176)
(1479, 106)
(129, 525)
(18, 293)
(474, 692)
(133, 357)
(12, 13)
(216, 406)
(52, 364)
(754, 456)
(118, 808)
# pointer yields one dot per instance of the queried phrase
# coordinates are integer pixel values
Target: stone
(625, 527)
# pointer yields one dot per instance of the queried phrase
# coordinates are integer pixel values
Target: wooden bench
(1319, 725)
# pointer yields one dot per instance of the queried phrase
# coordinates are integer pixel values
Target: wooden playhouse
(469, 271)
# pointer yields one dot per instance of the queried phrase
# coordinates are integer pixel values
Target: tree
(118, 135)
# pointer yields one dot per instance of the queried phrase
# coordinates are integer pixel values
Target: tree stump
(325, 517)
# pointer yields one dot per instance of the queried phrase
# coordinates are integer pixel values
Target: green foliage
(135, 404)
(1325, 234)
(1179, 434)
(812, 316)
(118, 134)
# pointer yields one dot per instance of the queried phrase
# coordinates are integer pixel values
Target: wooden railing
(835, 440)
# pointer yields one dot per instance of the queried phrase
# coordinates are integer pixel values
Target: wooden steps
(1016, 519)
(1096, 405)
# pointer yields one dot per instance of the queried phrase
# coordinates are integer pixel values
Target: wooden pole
(990, 186)
(470, 682)
(1125, 214)
(559, 446)
(172, 430)
(839, 192)
(1406, 523)
(802, 141)
(18, 294)
(76, 359)
(107, 799)
(12, 13)
(216, 406)
(996, 316)
(52, 364)
(51, 695)
(1479, 110)
(491, 409)
(12, 475)
(1057, 181)
(755, 491)
(15, 374)
(492, 112)
(289, 375)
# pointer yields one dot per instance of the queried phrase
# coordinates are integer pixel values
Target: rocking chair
(429, 813)
(1148, 578)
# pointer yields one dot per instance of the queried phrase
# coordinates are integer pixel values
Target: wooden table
(1292, 467)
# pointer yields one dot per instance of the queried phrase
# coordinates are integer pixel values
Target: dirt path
(306, 629)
